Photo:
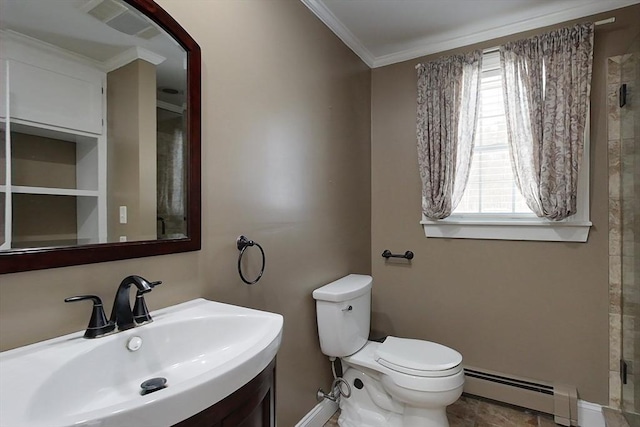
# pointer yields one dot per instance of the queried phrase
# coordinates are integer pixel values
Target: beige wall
(131, 148)
(38, 161)
(28, 228)
(286, 161)
(43, 162)
(532, 309)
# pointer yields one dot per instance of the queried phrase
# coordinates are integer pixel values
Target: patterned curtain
(547, 81)
(448, 96)
(171, 178)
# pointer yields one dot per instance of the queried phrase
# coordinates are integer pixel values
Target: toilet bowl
(420, 391)
(397, 383)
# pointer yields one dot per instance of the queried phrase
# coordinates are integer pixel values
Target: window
(491, 188)
(492, 207)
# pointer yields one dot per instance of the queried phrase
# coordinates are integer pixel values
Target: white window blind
(491, 188)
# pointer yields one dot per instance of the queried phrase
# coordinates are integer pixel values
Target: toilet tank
(343, 312)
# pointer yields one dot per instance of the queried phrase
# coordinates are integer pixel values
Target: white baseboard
(590, 414)
(320, 414)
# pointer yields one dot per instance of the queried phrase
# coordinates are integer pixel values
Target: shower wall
(630, 190)
(624, 232)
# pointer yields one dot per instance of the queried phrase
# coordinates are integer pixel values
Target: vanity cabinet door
(254, 413)
(253, 405)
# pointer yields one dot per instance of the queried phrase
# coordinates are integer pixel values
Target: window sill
(533, 229)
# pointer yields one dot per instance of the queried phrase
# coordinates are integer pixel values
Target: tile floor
(613, 418)
(471, 412)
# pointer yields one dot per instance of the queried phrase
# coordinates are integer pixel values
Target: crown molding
(170, 107)
(131, 55)
(107, 66)
(330, 20)
(430, 45)
(49, 48)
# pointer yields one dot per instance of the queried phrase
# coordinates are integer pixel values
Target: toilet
(400, 382)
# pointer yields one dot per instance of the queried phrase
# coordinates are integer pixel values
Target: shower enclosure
(623, 104)
(629, 104)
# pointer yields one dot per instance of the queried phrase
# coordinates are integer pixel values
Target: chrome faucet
(121, 314)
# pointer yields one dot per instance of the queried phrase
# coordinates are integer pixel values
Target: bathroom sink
(205, 350)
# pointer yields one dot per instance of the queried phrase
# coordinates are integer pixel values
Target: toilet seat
(366, 358)
(417, 357)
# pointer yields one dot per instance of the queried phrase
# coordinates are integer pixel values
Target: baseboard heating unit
(559, 400)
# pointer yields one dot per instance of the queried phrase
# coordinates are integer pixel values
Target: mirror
(99, 133)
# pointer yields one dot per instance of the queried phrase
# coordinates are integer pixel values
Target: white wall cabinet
(43, 96)
(50, 96)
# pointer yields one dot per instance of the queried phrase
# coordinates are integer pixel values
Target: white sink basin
(205, 350)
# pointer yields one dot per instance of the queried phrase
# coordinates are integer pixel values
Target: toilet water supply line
(336, 386)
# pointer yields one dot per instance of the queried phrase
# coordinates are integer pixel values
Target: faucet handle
(140, 311)
(98, 324)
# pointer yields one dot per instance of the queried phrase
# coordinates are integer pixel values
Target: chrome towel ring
(243, 243)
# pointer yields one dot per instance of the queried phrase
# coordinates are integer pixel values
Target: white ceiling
(383, 32)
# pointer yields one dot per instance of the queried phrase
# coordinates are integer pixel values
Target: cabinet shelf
(49, 191)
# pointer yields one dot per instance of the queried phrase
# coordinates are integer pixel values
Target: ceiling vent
(149, 33)
(105, 10)
(121, 18)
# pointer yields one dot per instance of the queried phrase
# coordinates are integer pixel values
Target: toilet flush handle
(348, 308)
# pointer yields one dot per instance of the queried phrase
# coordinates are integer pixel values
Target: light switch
(123, 214)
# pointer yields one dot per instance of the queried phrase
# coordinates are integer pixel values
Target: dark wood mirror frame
(40, 258)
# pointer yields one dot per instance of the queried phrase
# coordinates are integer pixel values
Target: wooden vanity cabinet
(253, 405)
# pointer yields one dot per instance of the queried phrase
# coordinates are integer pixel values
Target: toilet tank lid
(346, 288)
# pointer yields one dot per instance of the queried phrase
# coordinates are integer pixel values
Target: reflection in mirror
(171, 176)
(93, 112)
(3, 194)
